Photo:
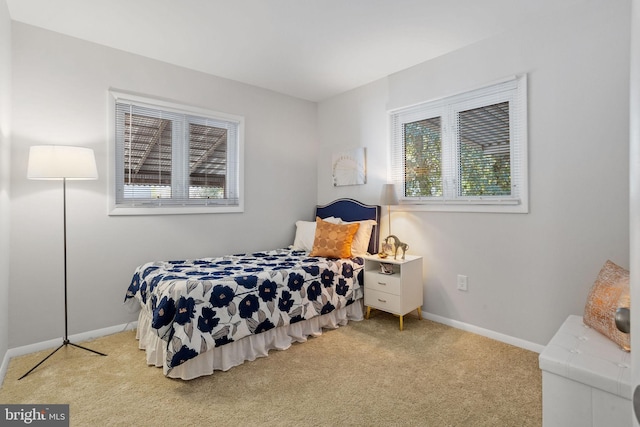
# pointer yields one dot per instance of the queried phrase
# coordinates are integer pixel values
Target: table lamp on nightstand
(389, 198)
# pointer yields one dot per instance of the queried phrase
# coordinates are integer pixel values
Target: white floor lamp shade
(62, 162)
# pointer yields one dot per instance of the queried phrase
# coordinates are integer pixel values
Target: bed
(198, 316)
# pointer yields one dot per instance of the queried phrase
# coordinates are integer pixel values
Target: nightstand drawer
(382, 300)
(389, 283)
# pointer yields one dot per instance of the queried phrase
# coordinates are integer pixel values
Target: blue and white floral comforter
(196, 305)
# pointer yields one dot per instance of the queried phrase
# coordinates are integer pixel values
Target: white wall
(5, 145)
(634, 202)
(526, 272)
(60, 97)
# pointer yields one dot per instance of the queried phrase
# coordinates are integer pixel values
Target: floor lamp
(58, 162)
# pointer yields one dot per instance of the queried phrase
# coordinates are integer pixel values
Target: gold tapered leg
(401, 323)
(419, 312)
(366, 316)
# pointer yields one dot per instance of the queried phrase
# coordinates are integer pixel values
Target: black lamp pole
(65, 340)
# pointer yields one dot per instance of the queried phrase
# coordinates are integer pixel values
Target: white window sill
(173, 210)
(488, 206)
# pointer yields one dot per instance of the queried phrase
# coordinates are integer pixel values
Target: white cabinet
(399, 292)
(586, 379)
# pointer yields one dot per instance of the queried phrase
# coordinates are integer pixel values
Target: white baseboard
(51, 344)
(527, 345)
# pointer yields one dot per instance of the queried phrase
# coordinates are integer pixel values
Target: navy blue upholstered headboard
(352, 210)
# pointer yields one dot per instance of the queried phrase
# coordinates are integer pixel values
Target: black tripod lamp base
(65, 343)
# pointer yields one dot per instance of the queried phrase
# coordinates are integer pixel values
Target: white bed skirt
(247, 349)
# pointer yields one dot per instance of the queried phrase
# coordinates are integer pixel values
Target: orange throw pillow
(333, 240)
(610, 291)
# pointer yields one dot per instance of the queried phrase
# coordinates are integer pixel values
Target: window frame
(196, 206)
(514, 90)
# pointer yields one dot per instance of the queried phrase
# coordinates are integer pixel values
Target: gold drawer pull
(382, 300)
(382, 283)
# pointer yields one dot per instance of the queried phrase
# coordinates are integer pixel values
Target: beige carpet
(367, 373)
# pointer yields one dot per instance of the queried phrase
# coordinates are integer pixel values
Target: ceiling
(310, 49)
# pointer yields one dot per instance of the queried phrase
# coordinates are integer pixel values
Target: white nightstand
(397, 293)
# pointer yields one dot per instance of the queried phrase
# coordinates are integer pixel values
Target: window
(170, 158)
(465, 152)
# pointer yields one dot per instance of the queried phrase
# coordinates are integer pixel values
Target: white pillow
(306, 233)
(360, 244)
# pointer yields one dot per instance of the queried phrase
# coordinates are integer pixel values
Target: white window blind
(167, 156)
(465, 152)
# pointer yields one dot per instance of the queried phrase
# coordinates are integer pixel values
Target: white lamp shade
(61, 161)
(388, 196)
